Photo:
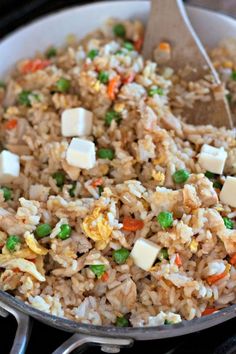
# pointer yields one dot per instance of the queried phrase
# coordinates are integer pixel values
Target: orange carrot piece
(209, 311)
(233, 259)
(113, 87)
(138, 44)
(164, 47)
(97, 182)
(130, 224)
(31, 66)
(105, 277)
(11, 124)
(128, 79)
(178, 260)
(214, 278)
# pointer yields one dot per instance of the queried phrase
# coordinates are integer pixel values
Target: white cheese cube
(228, 192)
(76, 122)
(9, 166)
(81, 153)
(212, 159)
(144, 253)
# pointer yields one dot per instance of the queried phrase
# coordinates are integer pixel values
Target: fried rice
(115, 203)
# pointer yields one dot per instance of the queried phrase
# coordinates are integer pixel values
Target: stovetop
(44, 339)
(218, 340)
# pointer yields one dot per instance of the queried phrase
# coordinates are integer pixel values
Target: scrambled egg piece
(193, 246)
(159, 160)
(97, 228)
(33, 244)
(96, 86)
(159, 177)
(21, 253)
(21, 264)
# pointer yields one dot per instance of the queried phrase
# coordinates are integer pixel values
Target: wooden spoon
(168, 22)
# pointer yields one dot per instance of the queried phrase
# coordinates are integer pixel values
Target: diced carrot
(130, 224)
(11, 124)
(113, 87)
(105, 277)
(97, 182)
(138, 44)
(164, 47)
(214, 278)
(128, 79)
(178, 260)
(233, 259)
(31, 66)
(209, 311)
(16, 270)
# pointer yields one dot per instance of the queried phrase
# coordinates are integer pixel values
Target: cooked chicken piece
(170, 122)
(18, 149)
(10, 224)
(165, 199)
(206, 192)
(12, 91)
(73, 172)
(39, 192)
(191, 199)
(10, 280)
(123, 297)
(228, 237)
(83, 243)
(214, 221)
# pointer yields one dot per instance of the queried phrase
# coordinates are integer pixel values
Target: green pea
(180, 176)
(233, 75)
(163, 254)
(98, 269)
(103, 77)
(112, 115)
(72, 190)
(165, 219)
(24, 98)
(65, 232)
(51, 52)
(119, 52)
(12, 242)
(93, 53)
(210, 175)
(155, 91)
(129, 46)
(106, 154)
(43, 230)
(7, 193)
(122, 322)
(119, 30)
(63, 85)
(168, 322)
(217, 185)
(59, 178)
(100, 190)
(229, 224)
(120, 256)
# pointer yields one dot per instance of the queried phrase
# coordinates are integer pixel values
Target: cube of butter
(228, 192)
(9, 166)
(144, 253)
(212, 159)
(81, 153)
(76, 122)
